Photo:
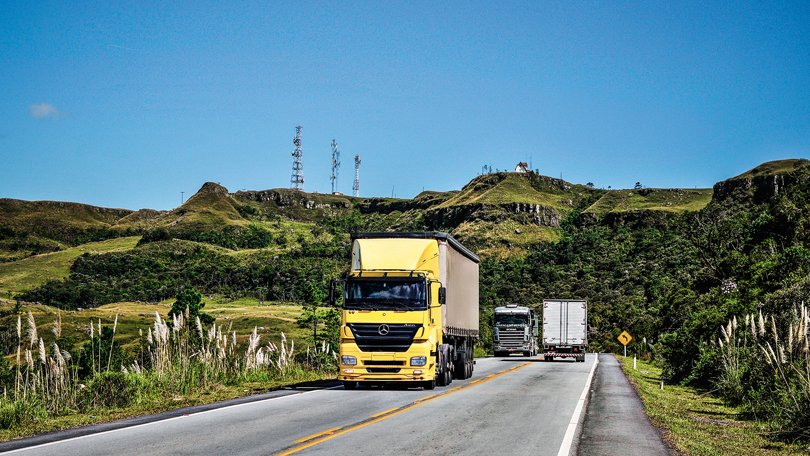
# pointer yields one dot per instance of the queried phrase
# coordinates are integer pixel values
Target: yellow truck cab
(410, 310)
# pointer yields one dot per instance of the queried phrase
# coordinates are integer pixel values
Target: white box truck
(565, 329)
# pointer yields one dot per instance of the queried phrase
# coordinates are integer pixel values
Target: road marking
(384, 412)
(94, 434)
(568, 440)
(311, 441)
(310, 437)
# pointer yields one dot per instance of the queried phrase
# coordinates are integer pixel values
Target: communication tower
(297, 178)
(356, 186)
(335, 165)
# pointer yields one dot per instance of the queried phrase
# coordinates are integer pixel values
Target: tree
(191, 299)
(637, 186)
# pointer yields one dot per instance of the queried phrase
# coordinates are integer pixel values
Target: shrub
(114, 389)
(13, 412)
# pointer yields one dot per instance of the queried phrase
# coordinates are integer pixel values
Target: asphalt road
(510, 406)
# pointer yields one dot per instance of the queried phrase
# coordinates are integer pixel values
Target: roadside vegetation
(55, 379)
(697, 423)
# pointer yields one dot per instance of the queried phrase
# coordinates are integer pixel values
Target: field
(33, 271)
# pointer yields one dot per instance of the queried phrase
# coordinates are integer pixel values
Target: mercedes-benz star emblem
(383, 329)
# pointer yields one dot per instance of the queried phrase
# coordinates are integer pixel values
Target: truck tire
(460, 369)
(527, 354)
(429, 385)
(349, 385)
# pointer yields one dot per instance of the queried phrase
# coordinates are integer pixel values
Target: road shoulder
(615, 421)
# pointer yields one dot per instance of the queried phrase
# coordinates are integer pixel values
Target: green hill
(34, 271)
(651, 199)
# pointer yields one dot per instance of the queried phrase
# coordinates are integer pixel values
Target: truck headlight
(348, 360)
(418, 360)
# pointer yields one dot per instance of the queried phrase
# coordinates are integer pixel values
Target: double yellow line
(320, 437)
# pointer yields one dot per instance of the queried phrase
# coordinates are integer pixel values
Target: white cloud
(43, 110)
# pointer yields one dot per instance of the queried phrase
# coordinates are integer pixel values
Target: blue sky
(126, 106)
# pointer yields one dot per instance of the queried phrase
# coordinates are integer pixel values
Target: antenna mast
(356, 186)
(335, 165)
(297, 178)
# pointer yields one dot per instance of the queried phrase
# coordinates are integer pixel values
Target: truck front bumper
(387, 366)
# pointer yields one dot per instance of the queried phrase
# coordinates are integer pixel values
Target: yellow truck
(410, 310)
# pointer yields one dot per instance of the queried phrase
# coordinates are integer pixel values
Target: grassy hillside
(55, 219)
(652, 199)
(34, 271)
(241, 315)
(510, 188)
(776, 167)
(504, 239)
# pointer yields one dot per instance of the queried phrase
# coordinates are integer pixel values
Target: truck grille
(373, 337)
(509, 338)
(383, 370)
(383, 363)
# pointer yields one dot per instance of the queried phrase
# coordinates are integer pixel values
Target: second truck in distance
(565, 329)
(515, 330)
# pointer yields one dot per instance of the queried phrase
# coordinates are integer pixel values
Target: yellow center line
(384, 412)
(329, 434)
(310, 437)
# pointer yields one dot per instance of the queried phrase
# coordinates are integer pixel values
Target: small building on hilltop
(522, 167)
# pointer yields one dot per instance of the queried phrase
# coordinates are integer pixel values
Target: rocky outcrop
(452, 216)
(763, 182)
(289, 198)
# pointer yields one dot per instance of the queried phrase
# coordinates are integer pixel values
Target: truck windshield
(385, 295)
(511, 319)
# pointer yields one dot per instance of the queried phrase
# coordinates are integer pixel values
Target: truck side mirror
(332, 292)
(442, 295)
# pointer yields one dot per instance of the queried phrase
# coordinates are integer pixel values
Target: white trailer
(565, 328)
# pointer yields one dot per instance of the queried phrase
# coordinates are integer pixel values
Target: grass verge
(698, 424)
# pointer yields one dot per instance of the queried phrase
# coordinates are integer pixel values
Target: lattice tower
(356, 185)
(297, 178)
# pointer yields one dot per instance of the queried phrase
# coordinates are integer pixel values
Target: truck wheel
(460, 370)
(429, 385)
(527, 354)
(349, 385)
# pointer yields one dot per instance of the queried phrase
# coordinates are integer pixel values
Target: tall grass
(765, 366)
(177, 357)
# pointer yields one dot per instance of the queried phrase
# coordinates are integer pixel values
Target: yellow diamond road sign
(625, 338)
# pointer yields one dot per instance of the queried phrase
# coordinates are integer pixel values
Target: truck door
(576, 322)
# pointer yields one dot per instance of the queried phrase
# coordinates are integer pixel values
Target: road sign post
(625, 338)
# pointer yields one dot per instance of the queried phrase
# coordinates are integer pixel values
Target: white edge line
(568, 440)
(56, 442)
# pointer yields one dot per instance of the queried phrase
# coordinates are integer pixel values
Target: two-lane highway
(510, 406)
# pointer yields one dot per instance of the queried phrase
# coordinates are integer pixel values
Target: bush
(115, 389)
(14, 412)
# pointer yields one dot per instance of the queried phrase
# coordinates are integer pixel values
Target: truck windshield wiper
(398, 304)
